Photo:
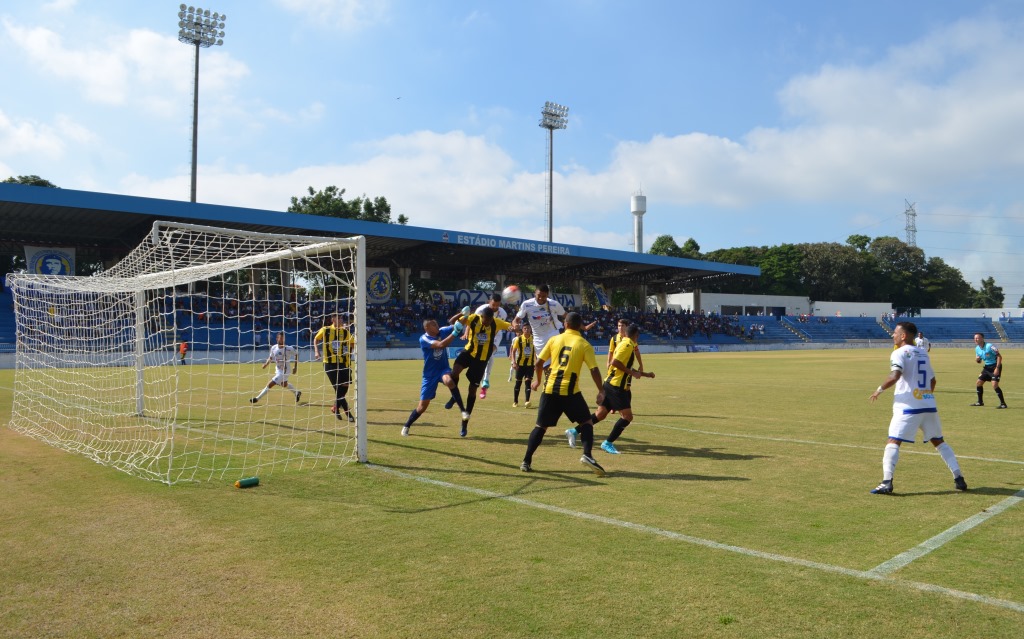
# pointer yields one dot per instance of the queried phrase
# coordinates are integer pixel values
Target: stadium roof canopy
(105, 227)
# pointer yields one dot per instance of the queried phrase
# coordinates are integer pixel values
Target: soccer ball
(510, 295)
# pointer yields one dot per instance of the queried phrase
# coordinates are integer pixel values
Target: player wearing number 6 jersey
(913, 406)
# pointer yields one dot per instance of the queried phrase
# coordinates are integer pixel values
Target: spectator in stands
(992, 369)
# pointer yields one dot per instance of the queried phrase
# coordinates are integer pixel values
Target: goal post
(160, 366)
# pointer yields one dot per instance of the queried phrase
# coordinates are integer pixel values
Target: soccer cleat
(254, 400)
(338, 415)
(594, 466)
(449, 403)
(570, 434)
(465, 416)
(298, 396)
(1002, 406)
(465, 428)
(515, 404)
(405, 431)
(527, 403)
(351, 417)
(483, 393)
(885, 488)
(960, 483)
(609, 447)
(524, 467)
(978, 404)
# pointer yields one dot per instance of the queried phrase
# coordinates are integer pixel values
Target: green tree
(832, 271)
(781, 270)
(945, 286)
(666, 245)
(31, 180)
(901, 268)
(859, 242)
(1020, 304)
(690, 249)
(330, 202)
(990, 295)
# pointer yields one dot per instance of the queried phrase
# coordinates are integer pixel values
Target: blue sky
(743, 122)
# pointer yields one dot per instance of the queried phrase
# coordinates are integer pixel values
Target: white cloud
(139, 68)
(346, 15)
(25, 137)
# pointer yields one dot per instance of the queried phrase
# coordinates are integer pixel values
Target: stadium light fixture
(552, 116)
(200, 28)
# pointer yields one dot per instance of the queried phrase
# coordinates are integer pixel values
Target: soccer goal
(151, 366)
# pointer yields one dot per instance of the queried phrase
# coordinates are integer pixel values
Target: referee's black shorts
(988, 374)
(552, 407)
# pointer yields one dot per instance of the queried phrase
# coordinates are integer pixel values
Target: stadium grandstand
(102, 228)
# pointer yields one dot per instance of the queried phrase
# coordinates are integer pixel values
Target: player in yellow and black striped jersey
(568, 353)
(523, 359)
(338, 343)
(618, 394)
(474, 356)
(623, 326)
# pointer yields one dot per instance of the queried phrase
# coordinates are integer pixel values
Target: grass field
(739, 507)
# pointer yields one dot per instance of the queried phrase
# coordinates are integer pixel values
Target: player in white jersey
(281, 355)
(544, 315)
(913, 407)
(922, 342)
(495, 305)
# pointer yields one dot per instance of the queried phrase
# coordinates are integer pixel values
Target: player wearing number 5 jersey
(913, 406)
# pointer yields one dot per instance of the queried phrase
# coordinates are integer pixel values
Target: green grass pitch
(739, 507)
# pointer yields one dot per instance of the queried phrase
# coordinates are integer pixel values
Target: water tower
(638, 205)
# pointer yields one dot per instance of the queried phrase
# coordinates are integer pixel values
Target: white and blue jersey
(987, 353)
(913, 403)
(435, 362)
(913, 391)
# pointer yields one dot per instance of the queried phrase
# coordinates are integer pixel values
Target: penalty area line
(707, 543)
(938, 541)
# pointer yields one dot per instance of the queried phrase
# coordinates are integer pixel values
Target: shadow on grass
(641, 448)
(505, 466)
(977, 490)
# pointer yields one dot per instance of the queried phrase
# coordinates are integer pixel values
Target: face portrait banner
(50, 260)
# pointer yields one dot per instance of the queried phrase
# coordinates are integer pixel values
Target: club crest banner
(378, 286)
(48, 260)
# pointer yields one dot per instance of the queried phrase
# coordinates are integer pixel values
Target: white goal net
(155, 366)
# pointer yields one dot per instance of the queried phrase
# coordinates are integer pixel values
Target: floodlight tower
(911, 227)
(552, 116)
(199, 28)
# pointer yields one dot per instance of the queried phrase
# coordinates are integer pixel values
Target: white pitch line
(707, 543)
(786, 440)
(936, 542)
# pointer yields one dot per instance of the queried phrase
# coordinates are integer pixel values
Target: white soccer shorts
(904, 427)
